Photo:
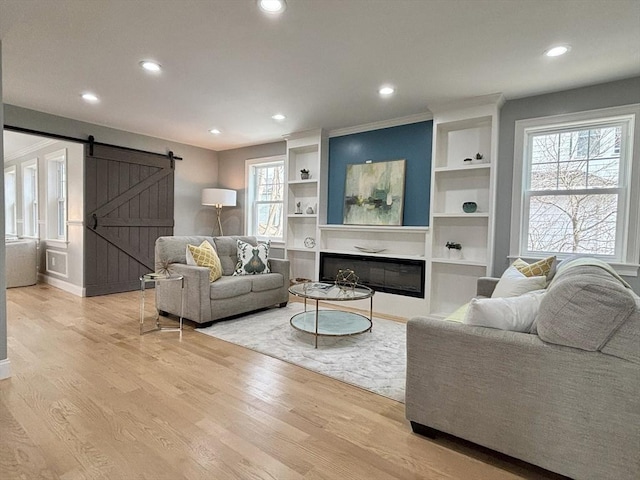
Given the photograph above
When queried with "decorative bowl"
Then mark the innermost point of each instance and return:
(469, 207)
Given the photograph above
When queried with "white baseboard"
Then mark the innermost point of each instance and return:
(62, 285)
(5, 369)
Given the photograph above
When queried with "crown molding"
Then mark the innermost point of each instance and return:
(394, 122)
(34, 147)
(494, 99)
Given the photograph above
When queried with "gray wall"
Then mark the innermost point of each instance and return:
(231, 175)
(623, 92)
(198, 169)
(3, 276)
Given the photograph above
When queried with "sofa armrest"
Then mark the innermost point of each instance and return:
(197, 295)
(516, 394)
(281, 266)
(486, 286)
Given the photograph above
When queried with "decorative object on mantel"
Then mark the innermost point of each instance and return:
(454, 249)
(370, 249)
(309, 242)
(298, 209)
(304, 174)
(479, 156)
(469, 207)
(467, 161)
(374, 193)
(310, 210)
(346, 279)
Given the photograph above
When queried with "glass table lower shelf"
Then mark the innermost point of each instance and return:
(330, 323)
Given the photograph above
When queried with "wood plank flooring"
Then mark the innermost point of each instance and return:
(89, 398)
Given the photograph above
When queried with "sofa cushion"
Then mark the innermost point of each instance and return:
(172, 249)
(514, 313)
(513, 283)
(252, 259)
(227, 248)
(268, 281)
(625, 343)
(583, 308)
(205, 255)
(229, 286)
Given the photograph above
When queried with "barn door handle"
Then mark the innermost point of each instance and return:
(95, 221)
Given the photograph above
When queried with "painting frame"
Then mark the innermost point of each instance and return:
(374, 193)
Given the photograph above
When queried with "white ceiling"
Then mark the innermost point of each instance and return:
(229, 66)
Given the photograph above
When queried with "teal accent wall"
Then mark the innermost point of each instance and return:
(410, 142)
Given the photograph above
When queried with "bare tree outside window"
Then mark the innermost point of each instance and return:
(574, 191)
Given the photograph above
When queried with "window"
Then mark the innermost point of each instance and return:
(265, 198)
(573, 187)
(10, 198)
(30, 198)
(57, 195)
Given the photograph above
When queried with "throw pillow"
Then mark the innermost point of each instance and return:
(513, 283)
(459, 314)
(515, 313)
(540, 268)
(252, 260)
(205, 256)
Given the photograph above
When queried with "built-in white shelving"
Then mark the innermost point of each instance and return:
(459, 134)
(308, 151)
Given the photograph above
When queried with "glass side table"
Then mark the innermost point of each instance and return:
(155, 279)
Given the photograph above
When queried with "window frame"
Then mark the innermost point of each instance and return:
(626, 262)
(30, 199)
(57, 195)
(11, 171)
(250, 166)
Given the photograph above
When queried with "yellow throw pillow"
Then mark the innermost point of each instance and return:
(541, 268)
(206, 256)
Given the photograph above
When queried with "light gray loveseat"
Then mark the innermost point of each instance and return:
(230, 295)
(566, 399)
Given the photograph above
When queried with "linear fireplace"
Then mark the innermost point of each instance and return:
(400, 276)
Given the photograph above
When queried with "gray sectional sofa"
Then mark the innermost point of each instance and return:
(566, 398)
(230, 295)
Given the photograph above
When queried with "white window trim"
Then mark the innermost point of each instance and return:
(249, 163)
(12, 170)
(52, 160)
(29, 165)
(631, 236)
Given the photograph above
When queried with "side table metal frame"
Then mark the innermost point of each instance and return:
(156, 279)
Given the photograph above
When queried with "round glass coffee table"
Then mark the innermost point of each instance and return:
(335, 323)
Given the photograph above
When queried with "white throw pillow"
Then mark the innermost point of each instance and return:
(513, 283)
(515, 313)
(252, 260)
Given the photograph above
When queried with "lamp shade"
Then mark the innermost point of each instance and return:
(219, 196)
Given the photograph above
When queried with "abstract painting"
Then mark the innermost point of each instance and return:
(374, 193)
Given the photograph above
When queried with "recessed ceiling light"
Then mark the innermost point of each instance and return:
(278, 116)
(90, 97)
(557, 51)
(150, 66)
(272, 6)
(386, 90)
(215, 131)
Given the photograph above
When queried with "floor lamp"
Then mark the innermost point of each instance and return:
(218, 197)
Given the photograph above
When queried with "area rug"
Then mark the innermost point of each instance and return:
(375, 361)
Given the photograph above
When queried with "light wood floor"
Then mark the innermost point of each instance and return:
(89, 398)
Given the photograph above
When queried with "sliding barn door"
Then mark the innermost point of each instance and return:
(128, 204)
